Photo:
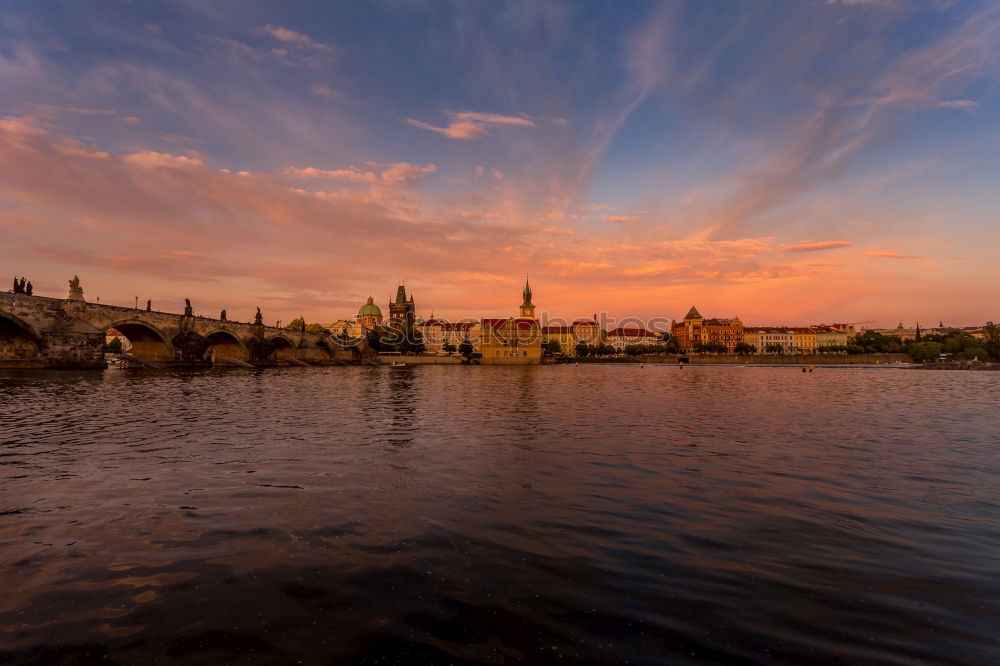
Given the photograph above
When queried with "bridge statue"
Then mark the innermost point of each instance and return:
(258, 318)
(222, 316)
(75, 292)
(188, 310)
(29, 289)
(149, 306)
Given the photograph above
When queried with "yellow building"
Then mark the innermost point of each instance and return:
(515, 340)
(589, 332)
(804, 340)
(752, 336)
(827, 336)
(437, 333)
(694, 331)
(562, 334)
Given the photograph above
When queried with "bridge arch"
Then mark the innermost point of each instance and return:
(281, 347)
(148, 342)
(226, 344)
(20, 343)
(325, 350)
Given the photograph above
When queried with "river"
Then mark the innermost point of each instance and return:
(554, 514)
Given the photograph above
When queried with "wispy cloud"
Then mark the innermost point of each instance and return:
(961, 104)
(887, 254)
(397, 173)
(814, 247)
(467, 125)
(817, 147)
(282, 45)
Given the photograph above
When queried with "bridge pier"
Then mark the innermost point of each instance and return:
(64, 341)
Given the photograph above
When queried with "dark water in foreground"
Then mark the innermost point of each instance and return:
(601, 514)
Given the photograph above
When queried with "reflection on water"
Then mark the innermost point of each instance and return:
(444, 514)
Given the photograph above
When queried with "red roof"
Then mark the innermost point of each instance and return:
(585, 322)
(557, 328)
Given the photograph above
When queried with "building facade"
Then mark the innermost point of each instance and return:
(803, 339)
(561, 333)
(515, 340)
(770, 340)
(588, 332)
(828, 337)
(437, 333)
(623, 337)
(694, 331)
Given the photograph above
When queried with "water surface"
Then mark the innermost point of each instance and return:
(442, 514)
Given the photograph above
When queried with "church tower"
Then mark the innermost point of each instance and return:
(527, 307)
(403, 309)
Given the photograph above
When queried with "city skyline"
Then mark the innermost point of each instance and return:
(632, 162)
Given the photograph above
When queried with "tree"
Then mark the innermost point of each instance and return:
(465, 348)
(602, 349)
(672, 346)
(924, 351)
(973, 353)
(296, 324)
(774, 348)
(581, 349)
(745, 349)
(318, 329)
(871, 342)
(992, 334)
(552, 347)
(375, 340)
(114, 347)
(449, 347)
(413, 341)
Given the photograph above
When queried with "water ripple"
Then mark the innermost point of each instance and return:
(491, 515)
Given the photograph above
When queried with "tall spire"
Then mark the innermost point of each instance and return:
(527, 309)
(527, 294)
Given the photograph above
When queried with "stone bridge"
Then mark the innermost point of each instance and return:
(42, 332)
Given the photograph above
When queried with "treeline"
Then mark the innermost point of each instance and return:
(959, 344)
(405, 340)
(299, 325)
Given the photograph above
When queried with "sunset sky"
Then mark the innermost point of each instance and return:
(788, 162)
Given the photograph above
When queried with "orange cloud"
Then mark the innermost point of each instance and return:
(814, 247)
(168, 226)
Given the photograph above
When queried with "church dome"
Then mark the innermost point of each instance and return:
(369, 309)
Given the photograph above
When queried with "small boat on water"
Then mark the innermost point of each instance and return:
(398, 364)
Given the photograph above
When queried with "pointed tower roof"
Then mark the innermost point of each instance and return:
(527, 294)
(693, 314)
(401, 294)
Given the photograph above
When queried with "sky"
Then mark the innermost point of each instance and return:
(795, 162)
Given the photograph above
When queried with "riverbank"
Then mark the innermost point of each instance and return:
(757, 359)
